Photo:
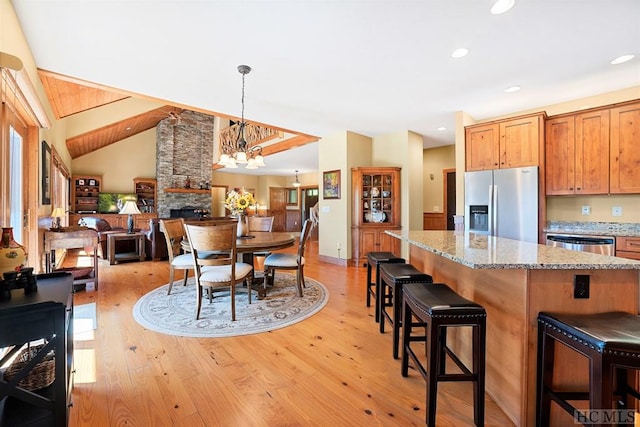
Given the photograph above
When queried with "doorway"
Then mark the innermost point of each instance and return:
(449, 192)
(309, 196)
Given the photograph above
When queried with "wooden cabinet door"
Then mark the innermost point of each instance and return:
(388, 243)
(625, 151)
(560, 156)
(592, 152)
(482, 147)
(519, 142)
(368, 242)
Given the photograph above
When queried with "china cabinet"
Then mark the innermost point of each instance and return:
(376, 208)
(84, 193)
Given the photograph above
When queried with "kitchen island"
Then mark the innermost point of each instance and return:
(514, 281)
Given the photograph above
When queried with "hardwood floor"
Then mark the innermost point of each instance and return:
(333, 369)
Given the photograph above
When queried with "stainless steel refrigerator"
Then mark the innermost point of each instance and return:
(503, 203)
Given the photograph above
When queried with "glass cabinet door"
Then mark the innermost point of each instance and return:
(377, 198)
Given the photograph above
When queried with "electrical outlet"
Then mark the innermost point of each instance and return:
(616, 211)
(581, 286)
(586, 210)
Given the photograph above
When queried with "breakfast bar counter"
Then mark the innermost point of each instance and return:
(514, 281)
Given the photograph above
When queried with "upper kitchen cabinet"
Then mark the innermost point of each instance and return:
(508, 143)
(625, 155)
(577, 153)
(482, 147)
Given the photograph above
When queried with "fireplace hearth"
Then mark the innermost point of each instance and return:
(188, 212)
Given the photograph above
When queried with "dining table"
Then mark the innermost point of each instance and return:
(257, 241)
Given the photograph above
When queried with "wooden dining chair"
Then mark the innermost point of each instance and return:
(284, 261)
(260, 223)
(221, 269)
(174, 233)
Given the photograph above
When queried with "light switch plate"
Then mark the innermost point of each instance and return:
(586, 210)
(616, 211)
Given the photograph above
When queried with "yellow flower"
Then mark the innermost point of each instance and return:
(238, 202)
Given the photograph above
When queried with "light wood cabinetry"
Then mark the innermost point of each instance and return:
(140, 221)
(84, 193)
(577, 153)
(628, 247)
(145, 189)
(508, 143)
(594, 151)
(376, 208)
(482, 147)
(624, 146)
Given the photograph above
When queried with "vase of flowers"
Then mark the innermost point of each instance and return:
(237, 202)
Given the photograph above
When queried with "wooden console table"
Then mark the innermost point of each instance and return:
(76, 239)
(45, 314)
(114, 257)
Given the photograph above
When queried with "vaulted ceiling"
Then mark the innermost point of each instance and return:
(69, 96)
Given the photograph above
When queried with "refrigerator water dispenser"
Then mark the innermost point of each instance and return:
(479, 218)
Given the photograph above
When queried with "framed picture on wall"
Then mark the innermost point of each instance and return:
(46, 173)
(331, 184)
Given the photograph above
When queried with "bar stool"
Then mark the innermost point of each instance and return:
(392, 277)
(437, 307)
(374, 259)
(611, 342)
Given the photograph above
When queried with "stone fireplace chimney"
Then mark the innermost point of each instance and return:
(184, 153)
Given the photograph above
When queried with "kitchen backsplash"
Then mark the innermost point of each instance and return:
(599, 228)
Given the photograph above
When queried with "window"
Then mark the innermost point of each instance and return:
(16, 202)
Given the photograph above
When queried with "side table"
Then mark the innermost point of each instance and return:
(138, 255)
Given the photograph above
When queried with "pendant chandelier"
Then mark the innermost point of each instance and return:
(241, 151)
(296, 183)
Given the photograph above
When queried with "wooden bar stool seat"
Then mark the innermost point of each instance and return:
(374, 259)
(611, 343)
(392, 278)
(436, 307)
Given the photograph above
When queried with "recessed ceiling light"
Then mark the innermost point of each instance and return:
(622, 59)
(512, 89)
(441, 128)
(459, 53)
(501, 6)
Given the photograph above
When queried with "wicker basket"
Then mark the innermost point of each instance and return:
(41, 376)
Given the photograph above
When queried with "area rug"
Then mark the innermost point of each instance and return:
(175, 314)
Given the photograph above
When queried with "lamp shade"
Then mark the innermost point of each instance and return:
(130, 208)
(58, 213)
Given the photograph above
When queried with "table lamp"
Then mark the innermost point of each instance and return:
(130, 208)
(57, 214)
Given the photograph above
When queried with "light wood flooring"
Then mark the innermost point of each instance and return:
(333, 369)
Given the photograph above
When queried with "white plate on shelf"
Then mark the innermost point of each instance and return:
(377, 216)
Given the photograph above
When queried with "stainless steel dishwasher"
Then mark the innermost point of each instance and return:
(604, 245)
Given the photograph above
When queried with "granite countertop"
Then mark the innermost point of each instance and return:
(614, 229)
(481, 251)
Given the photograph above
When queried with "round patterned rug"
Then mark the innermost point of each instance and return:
(175, 314)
